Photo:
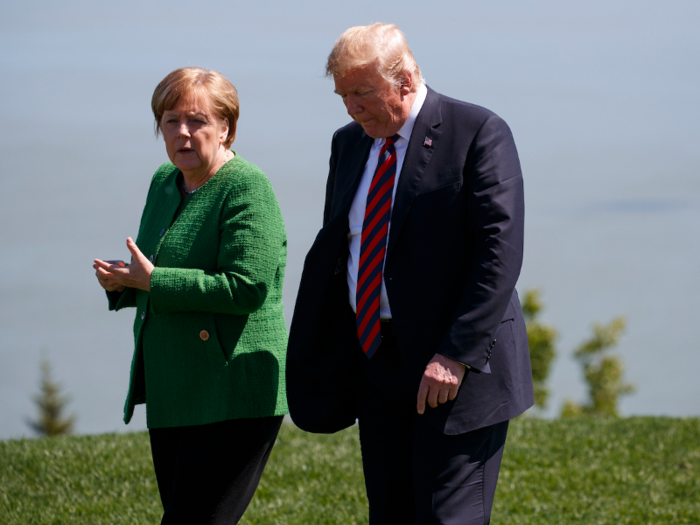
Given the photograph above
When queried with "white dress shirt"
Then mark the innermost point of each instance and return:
(359, 203)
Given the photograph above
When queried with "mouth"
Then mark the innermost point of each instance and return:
(185, 150)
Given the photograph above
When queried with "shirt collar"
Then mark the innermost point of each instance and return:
(407, 128)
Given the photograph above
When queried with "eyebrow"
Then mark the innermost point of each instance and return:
(188, 113)
(353, 89)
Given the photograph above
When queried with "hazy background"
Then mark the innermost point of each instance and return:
(602, 97)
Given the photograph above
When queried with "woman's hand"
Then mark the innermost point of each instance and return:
(105, 278)
(118, 276)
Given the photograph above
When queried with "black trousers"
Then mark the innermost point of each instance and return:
(413, 473)
(207, 474)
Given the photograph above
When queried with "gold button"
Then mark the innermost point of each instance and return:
(204, 335)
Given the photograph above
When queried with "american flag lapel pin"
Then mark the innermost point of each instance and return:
(427, 142)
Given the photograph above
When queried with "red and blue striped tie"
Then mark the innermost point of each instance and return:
(374, 236)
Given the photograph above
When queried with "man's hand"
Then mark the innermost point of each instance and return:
(135, 275)
(441, 381)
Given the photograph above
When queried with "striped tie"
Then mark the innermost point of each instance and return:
(374, 236)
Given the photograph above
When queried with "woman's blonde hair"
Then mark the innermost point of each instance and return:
(384, 44)
(220, 94)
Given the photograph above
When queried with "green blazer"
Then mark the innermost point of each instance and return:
(210, 336)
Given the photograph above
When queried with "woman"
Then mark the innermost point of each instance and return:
(206, 280)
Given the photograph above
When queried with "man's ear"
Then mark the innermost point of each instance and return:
(406, 83)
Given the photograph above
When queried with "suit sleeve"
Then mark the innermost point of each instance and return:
(495, 215)
(330, 184)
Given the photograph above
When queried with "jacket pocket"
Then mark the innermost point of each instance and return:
(510, 312)
(209, 339)
(441, 191)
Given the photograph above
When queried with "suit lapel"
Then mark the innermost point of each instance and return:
(418, 155)
(350, 174)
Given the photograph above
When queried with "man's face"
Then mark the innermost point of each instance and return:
(375, 104)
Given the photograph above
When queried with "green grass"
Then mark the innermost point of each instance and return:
(601, 471)
(586, 471)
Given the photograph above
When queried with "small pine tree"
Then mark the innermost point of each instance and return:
(541, 338)
(51, 404)
(602, 372)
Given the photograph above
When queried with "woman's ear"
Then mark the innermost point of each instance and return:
(224, 131)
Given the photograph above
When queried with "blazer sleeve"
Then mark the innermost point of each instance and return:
(252, 237)
(495, 214)
(127, 297)
(123, 299)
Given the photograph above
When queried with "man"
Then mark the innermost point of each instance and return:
(407, 317)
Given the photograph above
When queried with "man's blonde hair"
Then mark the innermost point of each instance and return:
(384, 44)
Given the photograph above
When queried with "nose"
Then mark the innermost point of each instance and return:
(352, 106)
(183, 130)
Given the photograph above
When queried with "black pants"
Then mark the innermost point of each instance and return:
(413, 473)
(207, 474)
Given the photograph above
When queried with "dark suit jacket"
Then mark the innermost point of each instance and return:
(453, 257)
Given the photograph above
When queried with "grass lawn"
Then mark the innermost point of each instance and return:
(586, 471)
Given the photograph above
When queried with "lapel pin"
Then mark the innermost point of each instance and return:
(427, 142)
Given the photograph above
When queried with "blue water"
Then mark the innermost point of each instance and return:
(602, 100)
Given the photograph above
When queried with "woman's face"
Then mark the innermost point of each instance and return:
(194, 137)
